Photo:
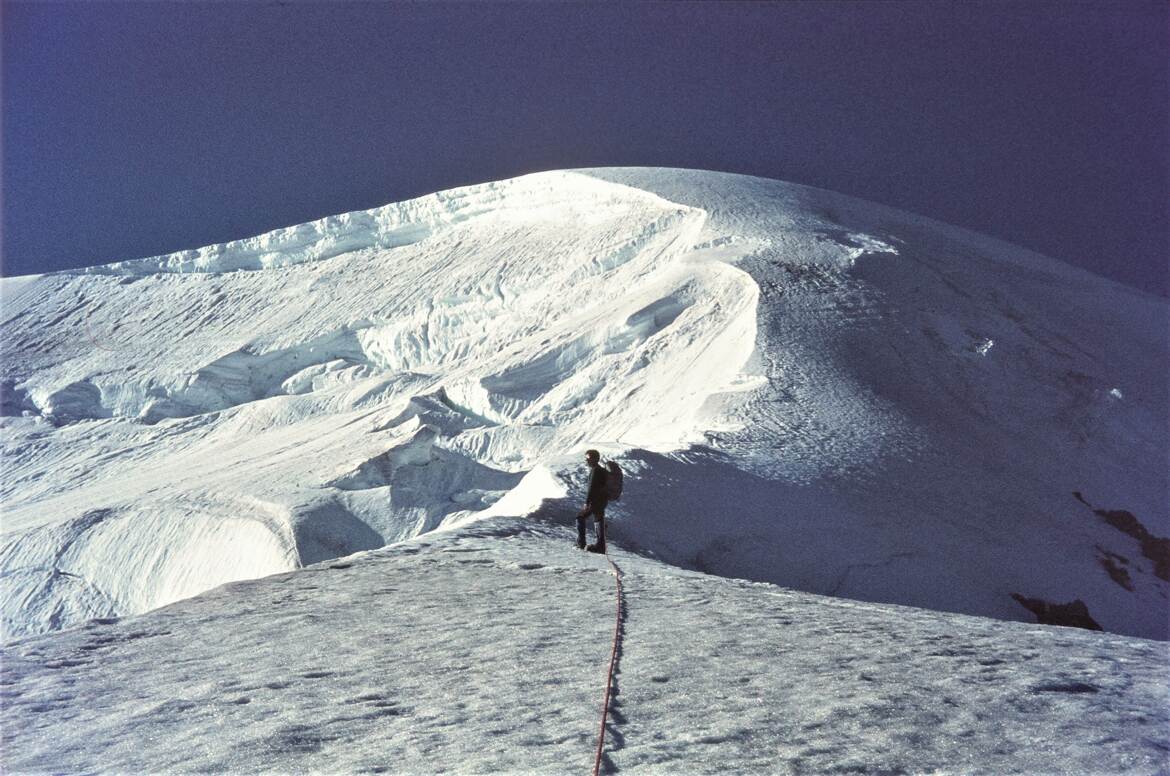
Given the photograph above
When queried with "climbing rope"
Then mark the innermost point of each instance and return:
(617, 637)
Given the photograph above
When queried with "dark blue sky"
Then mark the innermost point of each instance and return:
(138, 129)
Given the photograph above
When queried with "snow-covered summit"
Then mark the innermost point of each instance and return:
(805, 389)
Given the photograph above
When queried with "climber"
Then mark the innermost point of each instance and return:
(595, 501)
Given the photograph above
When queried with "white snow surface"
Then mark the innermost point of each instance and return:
(802, 384)
(485, 649)
(813, 395)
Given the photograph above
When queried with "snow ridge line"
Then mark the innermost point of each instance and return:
(617, 638)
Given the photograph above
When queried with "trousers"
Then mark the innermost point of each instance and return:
(598, 512)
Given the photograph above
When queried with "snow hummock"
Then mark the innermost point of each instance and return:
(814, 395)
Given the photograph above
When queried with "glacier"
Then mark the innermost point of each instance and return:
(903, 410)
(270, 477)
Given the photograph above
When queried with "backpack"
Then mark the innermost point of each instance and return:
(613, 481)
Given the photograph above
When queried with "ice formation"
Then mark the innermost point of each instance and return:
(802, 387)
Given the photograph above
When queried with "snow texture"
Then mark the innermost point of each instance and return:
(903, 409)
(484, 649)
(813, 395)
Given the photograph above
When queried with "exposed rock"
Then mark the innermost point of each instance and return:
(1114, 565)
(1071, 615)
(1156, 548)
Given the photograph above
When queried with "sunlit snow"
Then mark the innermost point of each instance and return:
(816, 395)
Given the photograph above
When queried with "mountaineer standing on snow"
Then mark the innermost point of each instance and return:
(595, 502)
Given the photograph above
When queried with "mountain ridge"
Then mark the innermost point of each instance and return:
(881, 393)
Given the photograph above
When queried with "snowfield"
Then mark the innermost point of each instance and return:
(851, 436)
(484, 650)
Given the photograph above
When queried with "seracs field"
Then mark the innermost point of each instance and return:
(809, 390)
(815, 395)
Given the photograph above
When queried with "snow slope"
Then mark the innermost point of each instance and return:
(807, 390)
(484, 649)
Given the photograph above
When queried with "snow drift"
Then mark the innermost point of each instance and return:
(805, 389)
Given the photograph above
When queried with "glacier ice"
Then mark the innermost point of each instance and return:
(793, 377)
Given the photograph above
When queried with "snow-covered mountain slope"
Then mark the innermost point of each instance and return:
(484, 649)
(806, 389)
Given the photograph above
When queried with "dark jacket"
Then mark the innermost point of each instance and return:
(597, 494)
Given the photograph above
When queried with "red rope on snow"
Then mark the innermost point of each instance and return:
(617, 637)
